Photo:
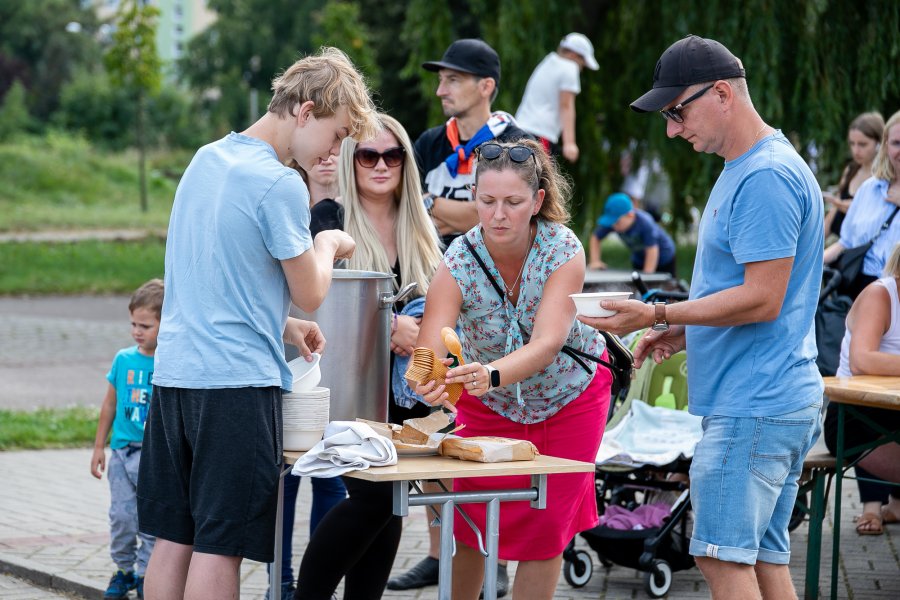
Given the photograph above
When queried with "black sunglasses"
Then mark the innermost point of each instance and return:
(519, 154)
(368, 158)
(674, 113)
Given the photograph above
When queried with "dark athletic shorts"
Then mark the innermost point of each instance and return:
(209, 470)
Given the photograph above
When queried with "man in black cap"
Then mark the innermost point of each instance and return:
(468, 80)
(748, 325)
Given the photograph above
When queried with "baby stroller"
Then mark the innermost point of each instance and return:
(638, 480)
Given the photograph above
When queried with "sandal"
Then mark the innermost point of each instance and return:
(869, 524)
(888, 516)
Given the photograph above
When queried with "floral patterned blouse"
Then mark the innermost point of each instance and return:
(493, 327)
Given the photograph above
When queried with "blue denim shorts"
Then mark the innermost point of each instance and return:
(744, 484)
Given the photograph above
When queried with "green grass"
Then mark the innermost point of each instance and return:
(93, 267)
(60, 181)
(48, 428)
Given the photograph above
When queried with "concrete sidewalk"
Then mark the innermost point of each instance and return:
(53, 531)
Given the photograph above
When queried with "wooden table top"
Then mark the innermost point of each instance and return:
(865, 390)
(411, 468)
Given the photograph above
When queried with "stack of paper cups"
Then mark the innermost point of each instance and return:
(305, 415)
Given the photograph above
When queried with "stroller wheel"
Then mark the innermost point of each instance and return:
(578, 571)
(658, 579)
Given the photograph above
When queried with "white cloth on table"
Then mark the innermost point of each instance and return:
(650, 435)
(346, 446)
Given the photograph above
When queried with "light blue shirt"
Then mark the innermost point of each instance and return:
(237, 213)
(765, 205)
(868, 212)
(131, 374)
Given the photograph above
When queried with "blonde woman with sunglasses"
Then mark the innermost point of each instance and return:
(383, 212)
(517, 318)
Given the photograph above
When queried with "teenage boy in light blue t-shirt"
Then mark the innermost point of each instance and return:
(747, 327)
(238, 252)
(124, 409)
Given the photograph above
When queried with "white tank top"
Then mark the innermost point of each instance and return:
(890, 342)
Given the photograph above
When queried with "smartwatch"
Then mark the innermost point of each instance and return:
(494, 377)
(428, 200)
(659, 321)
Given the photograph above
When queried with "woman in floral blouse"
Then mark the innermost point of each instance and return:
(517, 325)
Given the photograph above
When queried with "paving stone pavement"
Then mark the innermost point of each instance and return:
(55, 351)
(53, 530)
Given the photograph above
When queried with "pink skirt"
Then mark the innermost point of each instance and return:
(574, 432)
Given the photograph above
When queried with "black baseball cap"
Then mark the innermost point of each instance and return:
(686, 62)
(469, 56)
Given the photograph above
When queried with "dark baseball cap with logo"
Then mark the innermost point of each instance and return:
(469, 56)
(686, 62)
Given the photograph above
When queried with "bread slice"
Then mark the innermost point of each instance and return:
(416, 431)
(488, 449)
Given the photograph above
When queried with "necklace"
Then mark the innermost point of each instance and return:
(756, 137)
(511, 290)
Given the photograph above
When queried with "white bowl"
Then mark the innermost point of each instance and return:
(301, 441)
(306, 374)
(588, 304)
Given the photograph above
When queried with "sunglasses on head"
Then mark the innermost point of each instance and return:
(518, 154)
(674, 113)
(368, 158)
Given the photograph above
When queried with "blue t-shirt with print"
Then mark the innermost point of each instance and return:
(644, 233)
(131, 374)
(766, 205)
(238, 212)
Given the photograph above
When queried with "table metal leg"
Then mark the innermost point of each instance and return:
(838, 480)
(492, 533)
(275, 568)
(445, 568)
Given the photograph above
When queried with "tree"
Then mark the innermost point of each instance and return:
(133, 63)
(14, 117)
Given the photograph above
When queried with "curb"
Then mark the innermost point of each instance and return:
(36, 574)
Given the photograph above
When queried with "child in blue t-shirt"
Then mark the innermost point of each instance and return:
(652, 250)
(125, 411)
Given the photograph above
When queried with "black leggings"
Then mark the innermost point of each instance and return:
(358, 539)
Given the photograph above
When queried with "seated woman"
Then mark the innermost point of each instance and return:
(871, 346)
(863, 137)
(875, 201)
(383, 211)
(516, 318)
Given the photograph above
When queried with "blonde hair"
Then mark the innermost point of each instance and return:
(418, 247)
(540, 174)
(149, 296)
(881, 166)
(892, 266)
(330, 81)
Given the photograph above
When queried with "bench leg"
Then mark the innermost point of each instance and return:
(814, 543)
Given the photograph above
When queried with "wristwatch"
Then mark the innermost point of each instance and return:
(494, 377)
(428, 200)
(659, 322)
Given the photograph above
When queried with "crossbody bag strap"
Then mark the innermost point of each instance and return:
(886, 225)
(576, 355)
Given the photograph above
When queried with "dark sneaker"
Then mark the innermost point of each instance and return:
(422, 575)
(502, 582)
(119, 585)
(140, 587)
(287, 591)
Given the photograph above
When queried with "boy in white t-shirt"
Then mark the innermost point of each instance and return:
(548, 104)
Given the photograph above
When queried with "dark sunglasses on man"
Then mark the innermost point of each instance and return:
(674, 113)
(368, 158)
(492, 151)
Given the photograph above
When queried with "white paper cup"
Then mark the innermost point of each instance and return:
(588, 304)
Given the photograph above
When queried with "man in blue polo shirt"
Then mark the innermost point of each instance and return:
(652, 250)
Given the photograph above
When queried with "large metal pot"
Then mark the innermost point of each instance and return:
(356, 321)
